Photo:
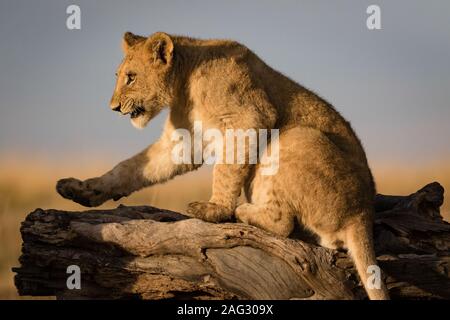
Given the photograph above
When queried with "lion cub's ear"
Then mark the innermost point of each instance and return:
(160, 46)
(129, 40)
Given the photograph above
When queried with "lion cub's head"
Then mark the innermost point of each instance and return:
(144, 84)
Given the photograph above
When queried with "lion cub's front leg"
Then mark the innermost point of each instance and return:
(151, 166)
(121, 181)
(89, 193)
(228, 180)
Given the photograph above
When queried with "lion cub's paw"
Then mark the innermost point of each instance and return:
(244, 213)
(209, 211)
(80, 192)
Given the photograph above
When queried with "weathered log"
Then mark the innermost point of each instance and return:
(149, 253)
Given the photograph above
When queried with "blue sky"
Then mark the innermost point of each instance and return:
(393, 84)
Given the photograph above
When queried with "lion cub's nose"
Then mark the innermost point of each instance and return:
(116, 108)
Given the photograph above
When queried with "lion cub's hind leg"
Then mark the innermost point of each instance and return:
(331, 240)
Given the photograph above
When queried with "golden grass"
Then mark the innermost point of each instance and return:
(29, 184)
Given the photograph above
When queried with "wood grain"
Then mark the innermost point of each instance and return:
(149, 253)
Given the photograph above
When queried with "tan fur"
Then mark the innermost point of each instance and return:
(323, 180)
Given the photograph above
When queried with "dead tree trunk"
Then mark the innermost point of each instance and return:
(150, 253)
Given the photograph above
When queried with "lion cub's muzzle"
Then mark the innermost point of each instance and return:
(129, 108)
(137, 111)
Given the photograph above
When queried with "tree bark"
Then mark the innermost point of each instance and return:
(150, 253)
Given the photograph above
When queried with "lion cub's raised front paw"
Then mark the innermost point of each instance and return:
(81, 192)
(209, 211)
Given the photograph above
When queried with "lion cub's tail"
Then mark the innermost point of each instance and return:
(360, 245)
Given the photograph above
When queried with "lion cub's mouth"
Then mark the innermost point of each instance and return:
(137, 112)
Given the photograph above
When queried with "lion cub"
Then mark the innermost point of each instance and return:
(323, 180)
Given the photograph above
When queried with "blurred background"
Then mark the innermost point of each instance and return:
(55, 85)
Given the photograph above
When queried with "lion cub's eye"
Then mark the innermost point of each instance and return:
(130, 78)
